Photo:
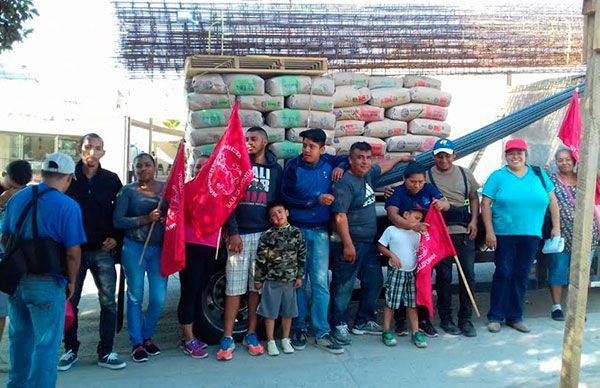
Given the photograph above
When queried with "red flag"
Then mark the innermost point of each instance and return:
(570, 130)
(435, 246)
(217, 189)
(173, 252)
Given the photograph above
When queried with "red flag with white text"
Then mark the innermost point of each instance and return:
(570, 130)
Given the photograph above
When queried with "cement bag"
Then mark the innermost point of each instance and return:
(304, 101)
(390, 156)
(387, 97)
(286, 149)
(273, 134)
(286, 85)
(203, 136)
(413, 111)
(349, 128)
(343, 144)
(207, 118)
(410, 143)
(209, 83)
(293, 134)
(430, 96)
(354, 79)
(376, 82)
(292, 118)
(322, 86)
(203, 150)
(385, 128)
(199, 101)
(251, 118)
(366, 113)
(410, 81)
(429, 127)
(350, 96)
(264, 103)
(244, 84)
(330, 150)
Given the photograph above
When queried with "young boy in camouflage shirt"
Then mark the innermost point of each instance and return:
(279, 269)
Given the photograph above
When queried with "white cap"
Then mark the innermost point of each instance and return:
(59, 162)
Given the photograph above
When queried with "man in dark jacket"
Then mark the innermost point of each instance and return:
(95, 190)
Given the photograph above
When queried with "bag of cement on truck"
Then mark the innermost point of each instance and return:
(349, 128)
(350, 96)
(273, 134)
(322, 86)
(385, 128)
(413, 111)
(354, 79)
(264, 103)
(286, 85)
(343, 144)
(293, 134)
(429, 127)
(203, 150)
(390, 156)
(244, 84)
(199, 101)
(207, 118)
(366, 113)
(376, 82)
(430, 96)
(304, 101)
(410, 81)
(410, 143)
(292, 118)
(202, 136)
(387, 97)
(251, 118)
(209, 83)
(286, 149)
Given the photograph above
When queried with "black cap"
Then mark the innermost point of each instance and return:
(315, 134)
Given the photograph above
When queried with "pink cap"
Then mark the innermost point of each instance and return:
(515, 144)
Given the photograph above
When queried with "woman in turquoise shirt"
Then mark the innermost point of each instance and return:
(513, 208)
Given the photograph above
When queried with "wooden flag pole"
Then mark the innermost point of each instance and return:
(218, 244)
(464, 280)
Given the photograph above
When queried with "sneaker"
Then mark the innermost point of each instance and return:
(299, 340)
(388, 338)
(225, 352)
(66, 361)
(467, 329)
(369, 327)
(449, 327)
(329, 344)
(519, 326)
(418, 339)
(151, 348)
(183, 341)
(401, 328)
(342, 335)
(494, 327)
(286, 346)
(558, 315)
(139, 354)
(254, 347)
(272, 348)
(194, 349)
(111, 361)
(427, 328)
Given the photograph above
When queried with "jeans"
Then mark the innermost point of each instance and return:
(142, 328)
(465, 249)
(37, 317)
(367, 268)
(317, 270)
(102, 266)
(514, 258)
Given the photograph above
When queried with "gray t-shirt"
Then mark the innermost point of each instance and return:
(355, 196)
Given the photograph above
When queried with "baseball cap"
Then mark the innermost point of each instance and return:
(59, 162)
(444, 145)
(315, 134)
(515, 144)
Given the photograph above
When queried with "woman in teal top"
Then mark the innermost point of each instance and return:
(513, 208)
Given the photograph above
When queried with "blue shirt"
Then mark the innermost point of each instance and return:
(404, 201)
(519, 203)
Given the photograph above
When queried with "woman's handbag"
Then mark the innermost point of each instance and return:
(547, 226)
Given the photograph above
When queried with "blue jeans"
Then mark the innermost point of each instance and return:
(37, 317)
(142, 328)
(514, 258)
(367, 268)
(102, 266)
(317, 270)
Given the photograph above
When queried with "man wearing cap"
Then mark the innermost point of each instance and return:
(459, 187)
(37, 308)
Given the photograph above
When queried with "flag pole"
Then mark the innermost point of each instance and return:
(464, 280)
(218, 244)
(160, 202)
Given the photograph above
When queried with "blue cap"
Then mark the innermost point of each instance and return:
(444, 145)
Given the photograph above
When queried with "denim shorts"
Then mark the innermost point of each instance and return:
(3, 305)
(558, 268)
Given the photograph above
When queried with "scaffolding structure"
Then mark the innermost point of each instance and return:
(157, 36)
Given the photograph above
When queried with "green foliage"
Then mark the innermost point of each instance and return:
(13, 14)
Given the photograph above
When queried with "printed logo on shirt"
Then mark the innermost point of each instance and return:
(259, 187)
(369, 195)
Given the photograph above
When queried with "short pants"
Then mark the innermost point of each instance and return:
(3, 305)
(239, 269)
(400, 289)
(278, 300)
